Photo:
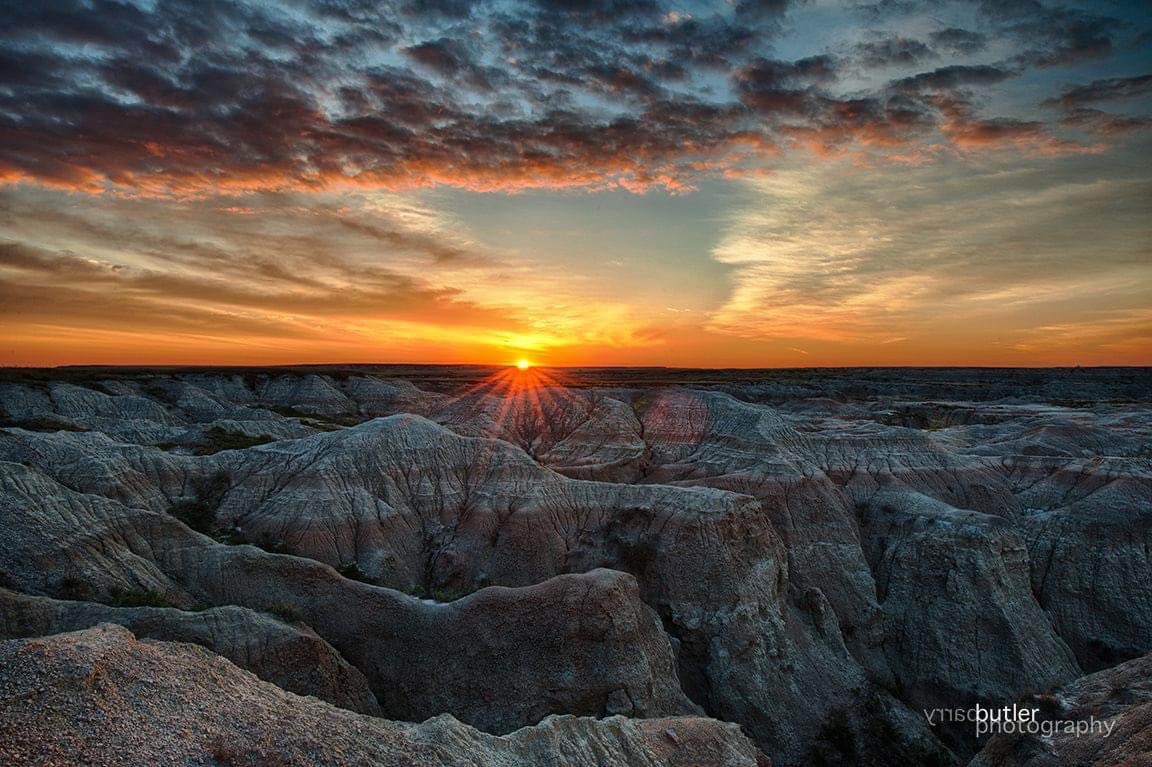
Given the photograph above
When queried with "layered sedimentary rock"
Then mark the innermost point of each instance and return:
(100, 697)
(1100, 719)
(815, 557)
(960, 623)
(413, 505)
(290, 656)
(500, 658)
(1088, 526)
(580, 433)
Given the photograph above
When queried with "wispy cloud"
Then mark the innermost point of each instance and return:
(253, 179)
(847, 255)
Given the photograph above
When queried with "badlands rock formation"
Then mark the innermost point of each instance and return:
(101, 697)
(289, 656)
(816, 557)
(1101, 719)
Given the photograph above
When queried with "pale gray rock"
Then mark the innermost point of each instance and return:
(500, 658)
(1089, 534)
(292, 657)
(378, 397)
(95, 408)
(824, 550)
(1112, 708)
(961, 625)
(311, 394)
(229, 388)
(100, 697)
(582, 434)
(20, 401)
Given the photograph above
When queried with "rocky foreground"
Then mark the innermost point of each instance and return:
(342, 567)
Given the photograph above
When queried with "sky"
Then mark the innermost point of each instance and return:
(733, 183)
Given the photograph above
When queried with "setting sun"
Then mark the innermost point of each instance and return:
(523, 364)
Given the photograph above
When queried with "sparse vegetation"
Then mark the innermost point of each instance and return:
(353, 572)
(319, 422)
(322, 425)
(194, 514)
(1077, 404)
(138, 598)
(218, 439)
(836, 743)
(224, 752)
(73, 588)
(46, 422)
(285, 612)
(198, 510)
(272, 546)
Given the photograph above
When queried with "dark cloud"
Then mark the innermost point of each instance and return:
(892, 50)
(1112, 89)
(1055, 35)
(882, 10)
(769, 73)
(785, 87)
(1079, 110)
(204, 96)
(453, 10)
(712, 41)
(32, 69)
(761, 10)
(955, 76)
(959, 41)
(606, 10)
(1103, 123)
(995, 131)
(452, 59)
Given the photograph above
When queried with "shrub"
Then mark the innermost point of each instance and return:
(353, 572)
(285, 612)
(315, 421)
(194, 514)
(138, 598)
(224, 752)
(217, 439)
(199, 510)
(272, 546)
(41, 423)
(73, 588)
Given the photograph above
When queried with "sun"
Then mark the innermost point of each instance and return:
(523, 364)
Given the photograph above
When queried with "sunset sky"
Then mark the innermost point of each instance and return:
(747, 183)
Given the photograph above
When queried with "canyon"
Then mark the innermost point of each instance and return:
(458, 565)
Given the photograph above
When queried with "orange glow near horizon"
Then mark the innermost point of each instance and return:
(926, 192)
(851, 292)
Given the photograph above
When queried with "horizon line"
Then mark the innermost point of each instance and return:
(196, 366)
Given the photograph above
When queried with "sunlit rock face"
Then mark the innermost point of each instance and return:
(290, 656)
(813, 558)
(161, 702)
